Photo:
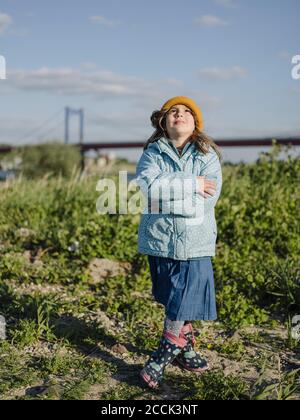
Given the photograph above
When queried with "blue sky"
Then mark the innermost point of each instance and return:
(120, 60)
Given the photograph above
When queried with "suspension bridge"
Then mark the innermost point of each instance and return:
(59, 123)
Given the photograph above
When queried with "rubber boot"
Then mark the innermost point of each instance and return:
(188, 359)
(169, 348)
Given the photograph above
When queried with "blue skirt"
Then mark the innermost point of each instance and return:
(185, 288)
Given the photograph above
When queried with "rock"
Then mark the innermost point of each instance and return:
(53, 391)
(101, 268)
(25, 233)
(34, 260)
(27, 256)
(236, 337)
(104, 321)
(119, 349)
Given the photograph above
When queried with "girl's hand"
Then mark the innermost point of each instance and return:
(206, 187)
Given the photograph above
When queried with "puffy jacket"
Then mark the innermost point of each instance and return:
(180, 234)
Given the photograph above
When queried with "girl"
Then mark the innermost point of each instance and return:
(179, 244)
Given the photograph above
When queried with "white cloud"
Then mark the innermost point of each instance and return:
(93, 82)
(104, 21)
(210, 21)
(70, 81)
(5, 21)
(217, 73)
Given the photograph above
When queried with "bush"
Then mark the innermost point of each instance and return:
(54, 159)
(257, 261)
(258, 232)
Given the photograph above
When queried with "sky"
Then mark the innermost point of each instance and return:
(121, 60)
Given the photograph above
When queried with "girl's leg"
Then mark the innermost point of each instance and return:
(174, 327)
(188, 359)
(171, 344)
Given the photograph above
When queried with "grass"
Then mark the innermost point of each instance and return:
(73, 336)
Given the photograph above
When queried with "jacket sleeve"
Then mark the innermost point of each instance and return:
(212, 171)
(173, 192)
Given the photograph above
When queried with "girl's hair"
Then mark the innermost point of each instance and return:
(201, 140)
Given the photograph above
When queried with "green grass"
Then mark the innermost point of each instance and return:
(59, 347)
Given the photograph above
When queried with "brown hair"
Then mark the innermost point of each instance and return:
(201, 140)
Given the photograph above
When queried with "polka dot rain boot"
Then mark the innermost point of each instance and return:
(169, 348)
(188, 359)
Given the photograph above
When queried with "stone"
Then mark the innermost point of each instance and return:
(101, 268)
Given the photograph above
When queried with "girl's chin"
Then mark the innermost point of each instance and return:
(182, 130)
(180, 127)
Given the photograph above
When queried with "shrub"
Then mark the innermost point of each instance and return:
(51, 158)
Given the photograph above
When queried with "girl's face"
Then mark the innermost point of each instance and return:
(180, 121)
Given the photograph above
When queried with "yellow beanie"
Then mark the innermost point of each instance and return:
(184, 100)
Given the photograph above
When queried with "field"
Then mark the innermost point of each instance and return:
(76, 295)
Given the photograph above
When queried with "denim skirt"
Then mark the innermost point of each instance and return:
(185, 288)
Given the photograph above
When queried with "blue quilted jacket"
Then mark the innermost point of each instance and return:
(176, 230)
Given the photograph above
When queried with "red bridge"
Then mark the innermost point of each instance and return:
(133, 145)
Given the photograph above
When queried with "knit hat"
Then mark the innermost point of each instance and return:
(184, 100)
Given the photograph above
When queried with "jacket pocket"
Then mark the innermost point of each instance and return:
(159, 232)
(200, 238)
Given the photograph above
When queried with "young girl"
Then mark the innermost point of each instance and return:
(179, 244)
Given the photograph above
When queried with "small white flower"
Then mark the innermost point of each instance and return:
(74, 247)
